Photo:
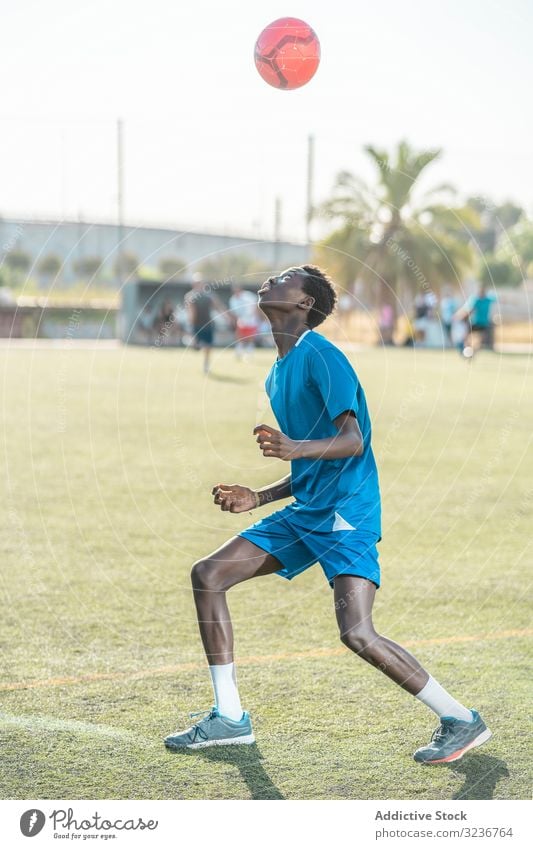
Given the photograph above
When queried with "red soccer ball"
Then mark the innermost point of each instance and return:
(287, 53)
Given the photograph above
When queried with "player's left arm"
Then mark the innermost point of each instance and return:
(348, 442)
(465, 311)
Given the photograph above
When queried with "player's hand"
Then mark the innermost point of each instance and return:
(274, 443)
(234, 498)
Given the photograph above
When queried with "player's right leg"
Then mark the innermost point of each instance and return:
(236, 561)
(468, 349)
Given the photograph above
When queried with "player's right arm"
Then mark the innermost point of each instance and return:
(238, 499)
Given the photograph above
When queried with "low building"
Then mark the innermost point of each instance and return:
(73, 242)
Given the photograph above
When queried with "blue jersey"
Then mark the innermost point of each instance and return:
(481, 308)
(308, 388)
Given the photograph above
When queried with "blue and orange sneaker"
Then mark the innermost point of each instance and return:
(452, 739)
(213, 730)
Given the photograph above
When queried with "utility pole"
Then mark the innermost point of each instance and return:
(120, 200)
(310, 181)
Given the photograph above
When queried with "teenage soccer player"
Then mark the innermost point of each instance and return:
(243, 307)
(334, 519)
(200, 304)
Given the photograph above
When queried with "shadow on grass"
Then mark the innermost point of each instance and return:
(481, 775)
(247, 759)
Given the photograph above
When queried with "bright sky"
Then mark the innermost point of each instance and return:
(208, 145)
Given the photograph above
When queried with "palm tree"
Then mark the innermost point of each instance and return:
(384, 238)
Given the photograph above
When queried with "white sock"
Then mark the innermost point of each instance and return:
(225, 688)
(440, 701)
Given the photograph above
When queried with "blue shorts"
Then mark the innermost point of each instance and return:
(344, 552)
(203, 335)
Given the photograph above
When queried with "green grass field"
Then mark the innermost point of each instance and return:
(109, 459)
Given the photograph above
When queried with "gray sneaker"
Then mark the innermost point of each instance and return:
(452, 739)
(212, 730)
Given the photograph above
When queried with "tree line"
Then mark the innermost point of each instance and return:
(390, 237)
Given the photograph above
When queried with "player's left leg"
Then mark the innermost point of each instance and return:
(354, 599)
(460, 729)
(207, 357)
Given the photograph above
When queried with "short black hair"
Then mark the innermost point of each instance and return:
(317, 284)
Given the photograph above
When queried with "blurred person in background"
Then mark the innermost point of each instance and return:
(245, 315)
(145, 324)
(420, 312)
(201, 303)
(386, 324)
(478, 312)
(448, 307)
(164, 322)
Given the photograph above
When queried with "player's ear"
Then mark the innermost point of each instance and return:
(306, 303)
